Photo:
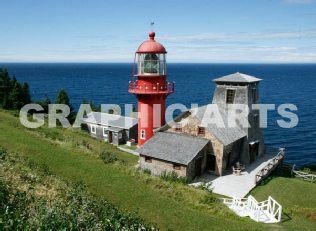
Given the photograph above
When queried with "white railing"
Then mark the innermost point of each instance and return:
(275, 209)
(304, 175)
(266, 211)
(254, 208)
(240, 205)
(227, 201)
(266, 170)
(269, 206)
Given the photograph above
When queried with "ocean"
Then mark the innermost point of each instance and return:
(107, 83)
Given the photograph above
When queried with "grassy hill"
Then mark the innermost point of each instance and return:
(73, 156)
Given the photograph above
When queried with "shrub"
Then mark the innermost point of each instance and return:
(108, 157)
(147, 171)
(3, 153)
(174, 177)
(206, 186)
(209, 199)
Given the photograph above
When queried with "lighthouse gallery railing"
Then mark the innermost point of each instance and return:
(167, 88)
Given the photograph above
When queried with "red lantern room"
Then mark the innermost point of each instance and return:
(150, 87)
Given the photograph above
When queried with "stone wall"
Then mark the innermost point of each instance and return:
(158, 166)
(191, 166)
(243, 95)
(190, 127)
(232, 154)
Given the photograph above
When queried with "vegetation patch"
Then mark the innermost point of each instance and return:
(108, 157)
(169, 204)
(33, 198)
(174, 177)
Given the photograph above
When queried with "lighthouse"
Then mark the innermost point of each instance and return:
(150, 87)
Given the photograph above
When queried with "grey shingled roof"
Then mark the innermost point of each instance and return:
(224, 134)
(173, 147)
(237, 78)
(110, 120)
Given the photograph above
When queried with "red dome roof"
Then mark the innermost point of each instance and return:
(151, 46)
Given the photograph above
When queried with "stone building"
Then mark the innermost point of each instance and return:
(167, 151)
(112, 128)
(241, 89)
(230, 126)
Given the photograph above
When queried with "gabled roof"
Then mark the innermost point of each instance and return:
(237, 78)
(109, 120)
(216, 121)
(173, 147)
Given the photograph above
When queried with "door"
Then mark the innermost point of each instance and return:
(228, 160)
(210, 162)
(110, 138)
(198, 166)
(257, 148)
(252, 151)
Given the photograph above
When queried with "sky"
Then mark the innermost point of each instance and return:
(192, 31)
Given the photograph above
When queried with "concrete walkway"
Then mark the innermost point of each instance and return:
(232, 185)
(128, 150)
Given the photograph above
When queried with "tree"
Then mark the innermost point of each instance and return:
(15, 98)
(62, 98)
(45, 103)
(5, 84)
(94, 108)
(6, 104)
(13, 95)
(26, 93)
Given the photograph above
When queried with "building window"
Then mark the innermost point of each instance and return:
(178, 127)
(105, 132)
(148, 159)
(151, 63)
(142, 134)
(254, 95)
(256, 120)
(201, 131)
(177, 166)
(230, 96)
(93, 129)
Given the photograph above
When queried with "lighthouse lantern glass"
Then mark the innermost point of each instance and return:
(152, 63)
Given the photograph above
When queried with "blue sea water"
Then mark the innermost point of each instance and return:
(107, 84)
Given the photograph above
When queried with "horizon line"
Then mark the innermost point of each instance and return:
(124, 62)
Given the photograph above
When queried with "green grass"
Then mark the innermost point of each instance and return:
(33, 198)
(73, 155)
(133, 148)
(297, 198)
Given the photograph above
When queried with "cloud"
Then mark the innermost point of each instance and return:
(265, 47)
(238, 36)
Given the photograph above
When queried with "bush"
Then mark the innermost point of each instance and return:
(3, 153)
(147, 171)
(108, 157)
(311, 167)
(173, 177)
(206, 186)
(209, 199)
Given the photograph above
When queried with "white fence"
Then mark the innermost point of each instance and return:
(268, 211)
(303, 175)
(266, 170)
